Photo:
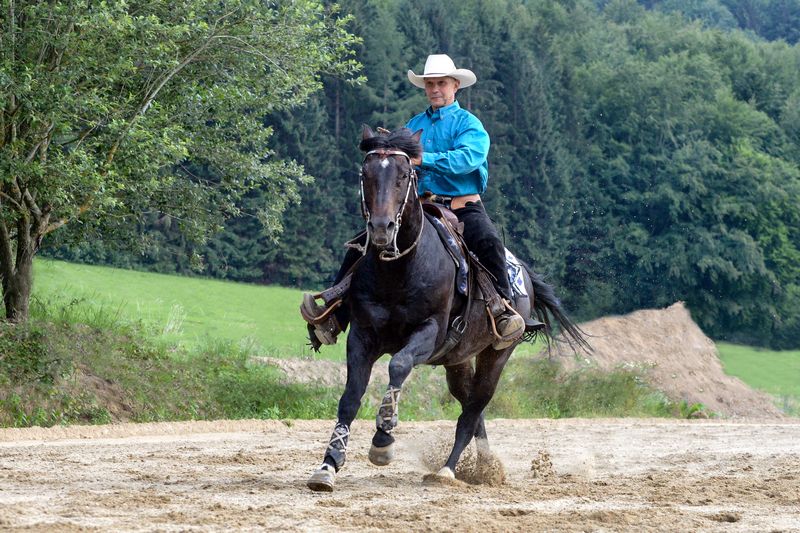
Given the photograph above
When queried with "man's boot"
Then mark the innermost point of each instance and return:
(323, 327)
(510, 326)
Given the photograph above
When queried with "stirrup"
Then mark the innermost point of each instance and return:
(313, 313)
(508, 328)
(322, 324)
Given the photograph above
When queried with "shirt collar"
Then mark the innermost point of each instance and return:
(443, 112)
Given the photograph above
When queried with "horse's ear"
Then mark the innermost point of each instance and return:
(367, 133)
(417, 136)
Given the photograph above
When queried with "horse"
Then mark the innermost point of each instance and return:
(403, 300)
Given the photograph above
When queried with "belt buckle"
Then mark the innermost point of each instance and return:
(443, 200)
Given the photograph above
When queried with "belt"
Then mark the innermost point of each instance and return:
(447, 201)
(442, 200)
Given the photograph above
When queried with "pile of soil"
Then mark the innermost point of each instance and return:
(425, 380)
(674, 356)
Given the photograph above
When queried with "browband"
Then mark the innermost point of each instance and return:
(385, 152)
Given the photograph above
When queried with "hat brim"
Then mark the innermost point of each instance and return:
(465, 76)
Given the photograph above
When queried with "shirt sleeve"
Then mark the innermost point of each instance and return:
(470, 149)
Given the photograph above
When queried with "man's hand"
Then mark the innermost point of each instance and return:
(416, 161)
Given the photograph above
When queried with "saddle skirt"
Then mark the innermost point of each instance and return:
(450, 234)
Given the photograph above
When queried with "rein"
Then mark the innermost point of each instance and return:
(394, 253)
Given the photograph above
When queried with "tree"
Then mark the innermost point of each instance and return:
(108, 108)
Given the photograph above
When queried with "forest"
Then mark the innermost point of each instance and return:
(642, 153)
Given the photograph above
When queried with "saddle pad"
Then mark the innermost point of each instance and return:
(515, 278)
(452, 247)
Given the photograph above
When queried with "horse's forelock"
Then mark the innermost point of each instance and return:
(401, 139)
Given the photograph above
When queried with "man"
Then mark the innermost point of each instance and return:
(454, 168)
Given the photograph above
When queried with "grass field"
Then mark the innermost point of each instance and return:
(777, 373)
(190, 311)
(108, 345)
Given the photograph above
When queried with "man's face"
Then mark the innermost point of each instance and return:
(441, 91)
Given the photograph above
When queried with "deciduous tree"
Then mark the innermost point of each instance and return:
(107, 108)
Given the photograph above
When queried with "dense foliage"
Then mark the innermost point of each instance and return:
(642, 153)
(119, 113)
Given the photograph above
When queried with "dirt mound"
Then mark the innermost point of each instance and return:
(424, 380)
(675, 357)
(317, 371)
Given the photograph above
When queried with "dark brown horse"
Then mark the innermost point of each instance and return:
(403, 299)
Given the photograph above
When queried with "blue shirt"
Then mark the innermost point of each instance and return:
(455, 147)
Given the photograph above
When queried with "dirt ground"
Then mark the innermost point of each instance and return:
(553, 475)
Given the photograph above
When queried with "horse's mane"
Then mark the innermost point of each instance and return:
(401, 139)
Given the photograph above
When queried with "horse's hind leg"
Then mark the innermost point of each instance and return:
(489, 366)
(460, 383)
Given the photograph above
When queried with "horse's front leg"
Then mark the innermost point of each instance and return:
(418, 349)
(361, 357)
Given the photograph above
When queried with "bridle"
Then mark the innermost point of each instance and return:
(394, 253)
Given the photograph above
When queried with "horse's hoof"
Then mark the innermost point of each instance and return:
(445, 472)
(322, 480)
(381, 456)
(443, 477)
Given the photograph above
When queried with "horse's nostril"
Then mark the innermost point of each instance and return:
(371, 226)
(390, 226)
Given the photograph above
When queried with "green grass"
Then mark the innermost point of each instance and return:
(776, 373)
(188, 311)
(60, 372)
(54, 372)
(540, 388)
(183, 310)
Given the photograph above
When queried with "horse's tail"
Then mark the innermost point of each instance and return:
(546, 305)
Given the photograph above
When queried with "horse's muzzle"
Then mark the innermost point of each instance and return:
(382, 232)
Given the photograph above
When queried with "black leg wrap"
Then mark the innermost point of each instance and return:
(387, 413)
(337, 447)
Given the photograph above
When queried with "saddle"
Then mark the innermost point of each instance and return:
(441, 212)
(450, 232)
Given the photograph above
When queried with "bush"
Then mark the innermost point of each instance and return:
(539, 388)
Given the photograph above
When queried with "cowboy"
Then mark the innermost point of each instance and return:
(454, 171)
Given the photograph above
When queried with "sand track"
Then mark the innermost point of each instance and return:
(590, 475)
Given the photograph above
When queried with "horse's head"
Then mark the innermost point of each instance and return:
(388, 182)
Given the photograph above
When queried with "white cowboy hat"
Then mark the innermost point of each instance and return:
(439, 65)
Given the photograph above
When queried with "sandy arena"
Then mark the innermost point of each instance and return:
(560, 475)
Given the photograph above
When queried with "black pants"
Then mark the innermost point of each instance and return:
(482, 239)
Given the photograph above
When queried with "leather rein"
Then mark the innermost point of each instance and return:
(394, 253)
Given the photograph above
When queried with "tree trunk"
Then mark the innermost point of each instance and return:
(16, 261)
(17, 291)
